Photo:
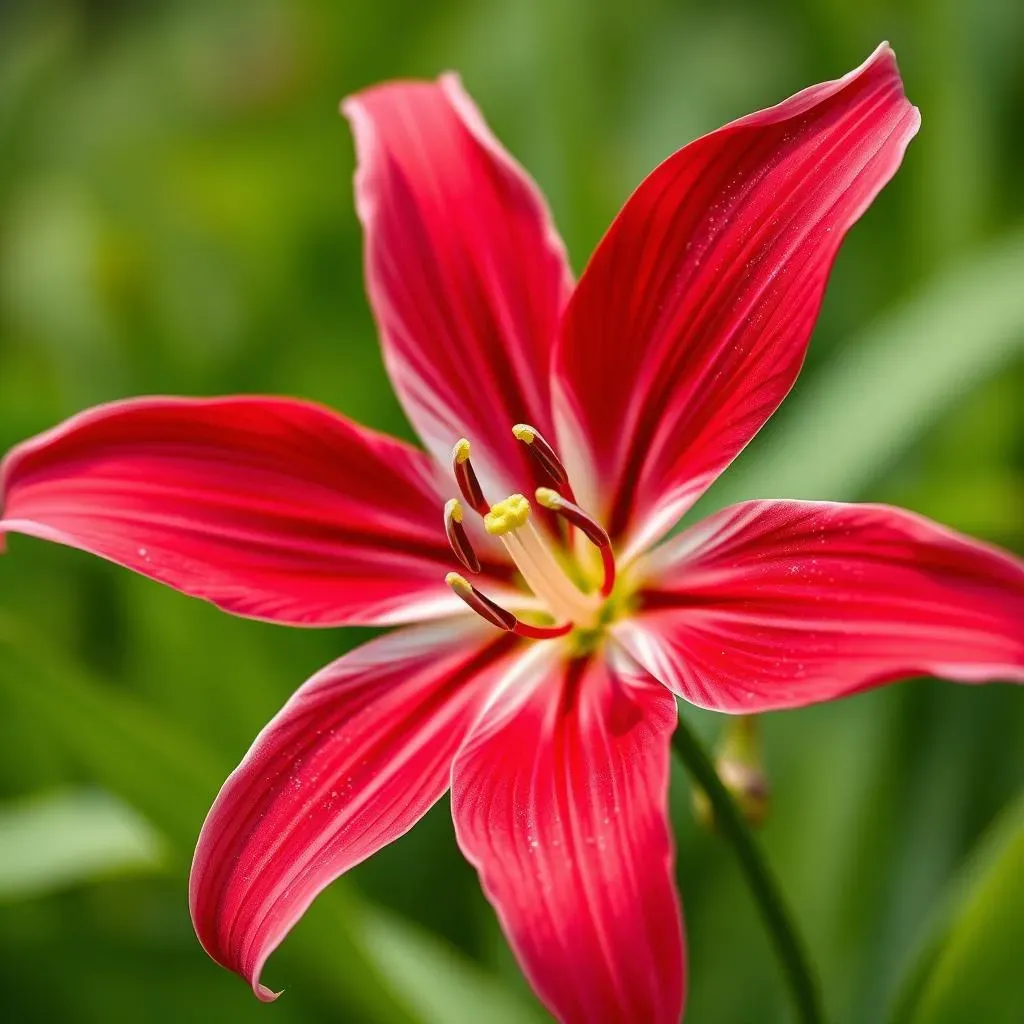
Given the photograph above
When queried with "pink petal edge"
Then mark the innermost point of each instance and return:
(691, 322)
(559, 800)
(354, 759)
(270, 508)
(779, 604)
(465, 272)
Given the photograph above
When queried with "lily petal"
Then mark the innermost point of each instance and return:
(465, 271)
(267, 507)
(778, 604)
(559, 799)
(691, 322)
(354, 759)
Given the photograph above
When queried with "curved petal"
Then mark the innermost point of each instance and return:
(267, 507)
(777, 604)
(559, 798)
(352, 761)
(691, 321)
(465, 271)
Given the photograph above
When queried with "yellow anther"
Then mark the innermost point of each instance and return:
(455, 531)
(507, 515)
(460, 453)
(453, 510)
(548, 498)
(541, 452)
(458, 583)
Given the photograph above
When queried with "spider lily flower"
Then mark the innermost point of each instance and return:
(544, 627)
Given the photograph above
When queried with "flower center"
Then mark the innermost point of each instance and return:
(510, 520)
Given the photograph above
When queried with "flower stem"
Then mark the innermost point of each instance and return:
(775, 913)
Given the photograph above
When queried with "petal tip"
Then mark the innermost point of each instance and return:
(7, 464)
(883, 51)
(915, 122)
(454, 90)
(882, 54)
(264, 994)
(350, 107)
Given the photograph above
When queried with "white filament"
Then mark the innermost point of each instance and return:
(547, 579)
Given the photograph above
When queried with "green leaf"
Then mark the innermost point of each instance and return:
(63, 839)
(850, 421)
(383, 971)
(969, 966)
(437, 980)
(124, 747)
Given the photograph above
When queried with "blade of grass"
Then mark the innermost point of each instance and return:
(968, 964)
(60, 839)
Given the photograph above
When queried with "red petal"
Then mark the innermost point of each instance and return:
(777, 604)
(352, 761)
(559, 798)
(267, 507)
(465, 271)
(691, 322)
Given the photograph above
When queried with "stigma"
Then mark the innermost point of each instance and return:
(509, 521)
(507, 516)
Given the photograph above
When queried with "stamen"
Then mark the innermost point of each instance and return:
(588, 526)
(465, 477)
(457, 536)
(509, 520)
(541, 632)
(483, 606)
(498, 616)
(547, 578)
(542, 452)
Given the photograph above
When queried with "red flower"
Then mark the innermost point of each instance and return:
(629, 394)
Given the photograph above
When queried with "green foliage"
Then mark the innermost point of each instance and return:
(970, 965)
(443, 987)
(176, 217)
(853, 421)
(60, 839)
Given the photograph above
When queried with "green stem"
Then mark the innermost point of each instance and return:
(775, 913)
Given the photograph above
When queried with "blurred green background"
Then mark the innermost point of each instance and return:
(176, 217)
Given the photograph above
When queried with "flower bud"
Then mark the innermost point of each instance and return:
(739, 765)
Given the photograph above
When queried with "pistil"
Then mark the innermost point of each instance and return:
(508, 520)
